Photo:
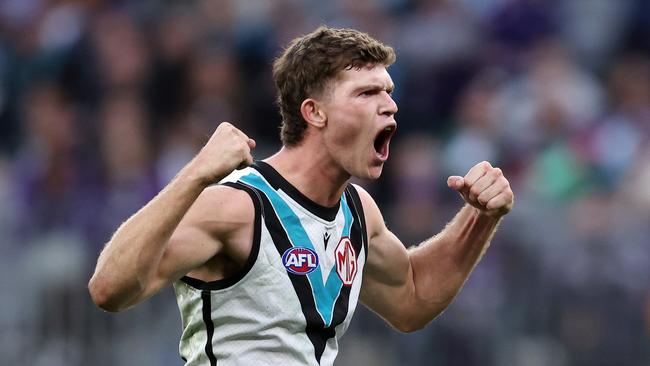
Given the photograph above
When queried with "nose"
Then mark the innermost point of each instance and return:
(389, 107)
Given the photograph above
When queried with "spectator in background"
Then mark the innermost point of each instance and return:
(127, 152)
(47, 168)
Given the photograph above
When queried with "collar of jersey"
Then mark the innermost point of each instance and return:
(278, 182)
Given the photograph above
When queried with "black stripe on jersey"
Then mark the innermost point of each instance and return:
(315, 330)
(209, 326)
(360, 219)
(357, 237)
(252, 257)
(278, 182)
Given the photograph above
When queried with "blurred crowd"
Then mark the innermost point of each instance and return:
(102, 102)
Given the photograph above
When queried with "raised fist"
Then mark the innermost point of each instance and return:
(485, 188)
(228, 149)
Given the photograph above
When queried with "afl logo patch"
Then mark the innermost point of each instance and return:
(346, 261)
(300, 260)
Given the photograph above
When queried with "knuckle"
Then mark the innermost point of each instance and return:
(503, 183)
(474, 191)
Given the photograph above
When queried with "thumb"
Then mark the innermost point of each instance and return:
(455, 182)
(251, 143)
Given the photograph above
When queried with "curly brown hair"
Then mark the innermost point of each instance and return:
(310, 62)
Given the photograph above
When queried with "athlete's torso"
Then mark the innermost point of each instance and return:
(296, 294)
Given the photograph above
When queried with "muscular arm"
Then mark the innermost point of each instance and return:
(408, 288)
(162, 241)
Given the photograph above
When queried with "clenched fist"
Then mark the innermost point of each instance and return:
(228, 149)
(485, 188)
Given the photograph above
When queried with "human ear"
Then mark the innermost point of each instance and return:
(312, 113)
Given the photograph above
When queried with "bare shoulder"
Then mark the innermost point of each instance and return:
(221, 205)
(374, 218)
(215, 234)
(387, 261)
(220, 194)
(222, 215)
(366, 199)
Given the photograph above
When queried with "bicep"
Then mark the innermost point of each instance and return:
(387, 260)
(216, 219)
(189, 247)
(388, 277)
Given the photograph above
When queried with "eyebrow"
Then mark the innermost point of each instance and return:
(375, 86)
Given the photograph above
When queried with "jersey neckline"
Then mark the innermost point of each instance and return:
(277, 181)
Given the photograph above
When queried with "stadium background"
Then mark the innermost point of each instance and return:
(101, 102)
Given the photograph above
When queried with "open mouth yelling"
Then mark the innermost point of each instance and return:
(382, 140)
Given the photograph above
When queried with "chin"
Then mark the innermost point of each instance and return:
(374, 172)
(370, 170)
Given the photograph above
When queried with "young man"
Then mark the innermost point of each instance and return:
(269, 264)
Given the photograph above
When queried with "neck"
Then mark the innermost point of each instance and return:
(312, 172)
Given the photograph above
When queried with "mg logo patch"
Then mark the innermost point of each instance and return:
(346, 261)
(300, 260)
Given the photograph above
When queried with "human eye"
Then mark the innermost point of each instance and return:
(368, 92)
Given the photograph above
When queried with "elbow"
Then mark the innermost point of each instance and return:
(411, 324)
(101, 296)
(418, 319)
(409, 327)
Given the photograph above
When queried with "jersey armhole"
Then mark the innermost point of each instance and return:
(252, 257)
(358, 210)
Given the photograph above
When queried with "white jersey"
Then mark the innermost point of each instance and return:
(296, 294)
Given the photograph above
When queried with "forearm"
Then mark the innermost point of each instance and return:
(409, 288)
(442, 264)
(131, 257)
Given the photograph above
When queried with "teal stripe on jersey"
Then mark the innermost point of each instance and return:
(348, 216)
(325, 294)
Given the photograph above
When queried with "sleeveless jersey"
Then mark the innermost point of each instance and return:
(296, 294)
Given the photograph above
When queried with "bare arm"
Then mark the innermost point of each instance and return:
(409, 288)
(139, 259)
